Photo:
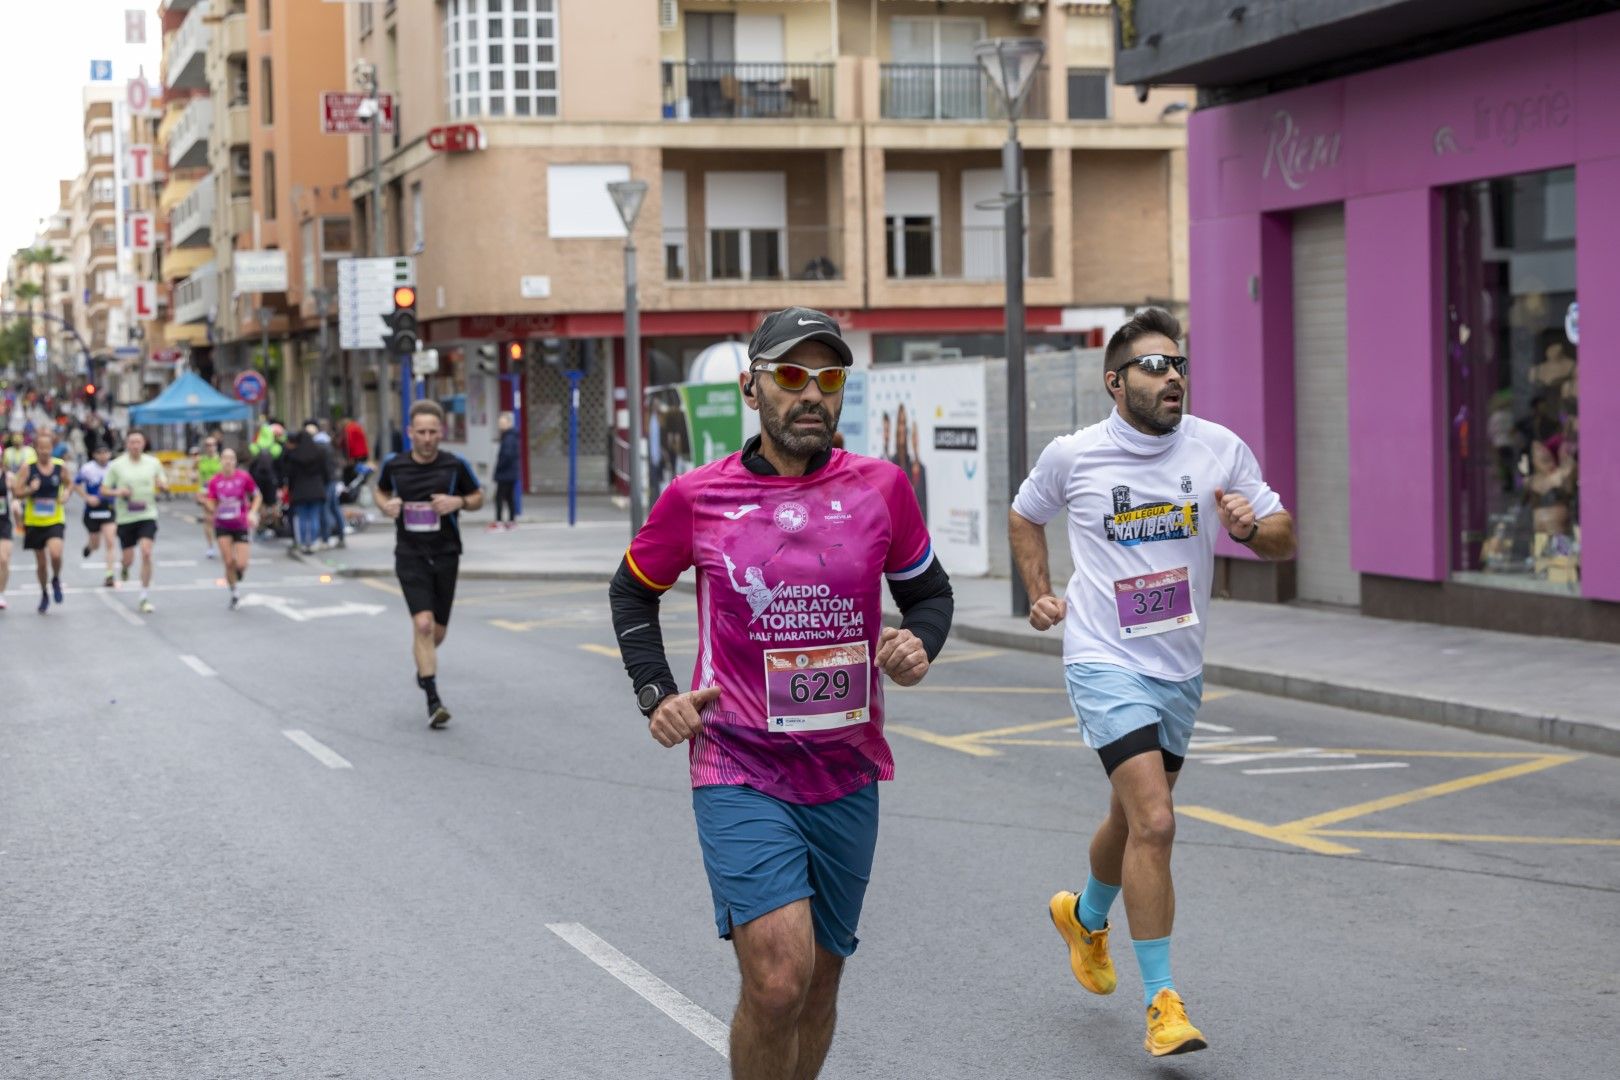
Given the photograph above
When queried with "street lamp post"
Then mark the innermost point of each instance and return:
(1010, 65)
(627, 198)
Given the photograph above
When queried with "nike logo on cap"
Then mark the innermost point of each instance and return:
(810, 322)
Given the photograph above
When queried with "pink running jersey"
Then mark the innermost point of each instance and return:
(790, 573)
(233, 497)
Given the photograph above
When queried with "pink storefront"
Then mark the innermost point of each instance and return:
(1384, 279)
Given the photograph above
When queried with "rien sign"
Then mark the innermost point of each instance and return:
(340, 113)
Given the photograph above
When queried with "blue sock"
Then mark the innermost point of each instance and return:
(1092, 910)
(1153, 958)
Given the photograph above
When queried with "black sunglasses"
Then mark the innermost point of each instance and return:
(1157, 363)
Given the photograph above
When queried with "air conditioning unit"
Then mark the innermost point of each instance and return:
(669, 14)
(242, 163)
(1029, 13)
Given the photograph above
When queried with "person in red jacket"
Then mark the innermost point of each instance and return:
(354, 442)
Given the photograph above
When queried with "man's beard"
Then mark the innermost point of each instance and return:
(800, 444)
(1142, 405)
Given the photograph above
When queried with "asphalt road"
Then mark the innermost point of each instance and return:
(187, 891)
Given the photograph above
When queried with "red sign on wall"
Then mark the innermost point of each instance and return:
(145, 301)
(455, 138)
(141, 229)
(340, 113)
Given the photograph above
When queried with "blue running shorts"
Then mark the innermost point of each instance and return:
(762, 853)
(1123, 714)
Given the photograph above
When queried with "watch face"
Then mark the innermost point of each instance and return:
(648, 696)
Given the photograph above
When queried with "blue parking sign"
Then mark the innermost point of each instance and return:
(101, 71)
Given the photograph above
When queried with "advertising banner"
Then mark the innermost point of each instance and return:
(714, 420)
(929, 420)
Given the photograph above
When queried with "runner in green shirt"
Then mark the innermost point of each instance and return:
(136, 477)
(207, 469)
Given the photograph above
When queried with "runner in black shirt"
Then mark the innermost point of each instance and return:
(425, 491)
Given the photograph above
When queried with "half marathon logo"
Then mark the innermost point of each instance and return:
(1132, 525)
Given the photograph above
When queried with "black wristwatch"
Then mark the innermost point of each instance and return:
(648, 697)
(1254, 531)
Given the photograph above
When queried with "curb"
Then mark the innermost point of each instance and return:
(1532, 727)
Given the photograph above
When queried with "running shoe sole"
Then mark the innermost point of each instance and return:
(1182, 1048)
(439, 718)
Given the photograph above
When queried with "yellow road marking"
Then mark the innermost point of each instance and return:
(1450, 787)
(380, 585)
(951, 742)
(1022, 729)
(1294, 837)
(1477, 838)
(925, 687)
(601, 650)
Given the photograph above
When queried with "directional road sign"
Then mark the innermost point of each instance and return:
(366, 294)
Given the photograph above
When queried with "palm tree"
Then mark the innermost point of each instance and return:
(41, 257)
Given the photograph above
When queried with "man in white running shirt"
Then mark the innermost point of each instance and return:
(1145, 492)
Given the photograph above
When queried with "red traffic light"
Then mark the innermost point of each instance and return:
(89, 389)
(514, 350)
(404, 296)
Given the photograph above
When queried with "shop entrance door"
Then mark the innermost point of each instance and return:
(1321, 415)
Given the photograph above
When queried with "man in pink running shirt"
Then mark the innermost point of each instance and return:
(791, 540)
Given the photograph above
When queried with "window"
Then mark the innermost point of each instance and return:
(106, 236)
(1089, 94)
(99, 145)
(267, 108)
(418, 227)
(366, 18)
(106, 282)
(746, 214)
(310, 256)
(1512, 339)
(500, 58)
(269, 178)
(104, 191)
(910, 242)
(264, 14)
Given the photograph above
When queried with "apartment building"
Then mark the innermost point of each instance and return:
(190, 275)
(94, 229)
(843, 154)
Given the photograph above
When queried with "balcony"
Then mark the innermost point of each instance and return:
(237, 120)
(796, 253)
(188, 142)
(704, 90)
(197, 297)
(187, 53)
(192, 220)
(969, 253)
(951, 92)
(241, 215)
(235, 30)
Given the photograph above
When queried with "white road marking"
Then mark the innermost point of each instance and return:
(285, 606)
(664, 997)
(1205, 725)
(1326, 768)
(1197, 743)
(1217, 758)
(120, 610)
(195, 664)
(318, 750)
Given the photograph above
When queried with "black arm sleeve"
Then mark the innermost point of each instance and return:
(926, 605)
(635, 623)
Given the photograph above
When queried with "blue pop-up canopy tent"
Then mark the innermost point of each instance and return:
(189, 400)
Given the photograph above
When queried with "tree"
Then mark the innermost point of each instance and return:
(16, 347)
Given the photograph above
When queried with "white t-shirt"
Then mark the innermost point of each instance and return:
(1142, 529)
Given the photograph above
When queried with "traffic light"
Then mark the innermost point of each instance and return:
(401, 322)
(513, 352)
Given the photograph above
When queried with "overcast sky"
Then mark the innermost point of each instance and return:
(45, 51)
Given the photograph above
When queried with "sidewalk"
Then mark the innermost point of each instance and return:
(1551, 690)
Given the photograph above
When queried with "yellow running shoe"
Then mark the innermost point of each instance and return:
(1088, 950)
(1168, 1029)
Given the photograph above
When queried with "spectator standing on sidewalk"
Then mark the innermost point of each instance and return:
(308, 469)
(331, 511)
(508, 472)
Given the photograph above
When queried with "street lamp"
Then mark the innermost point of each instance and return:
(1010, 65)
(627, 198)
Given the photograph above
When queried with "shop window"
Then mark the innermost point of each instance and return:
(1512, 345)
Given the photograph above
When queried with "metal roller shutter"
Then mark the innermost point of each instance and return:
(1322, 438)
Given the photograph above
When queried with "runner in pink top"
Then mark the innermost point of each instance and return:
(232, 499)
(792, 541)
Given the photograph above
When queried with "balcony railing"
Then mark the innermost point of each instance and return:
(197, 297)
(188, 143)
(697, 89)
(187, 54)
(762, 253)
(951, 92)
(191, 223)
(968, 253)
